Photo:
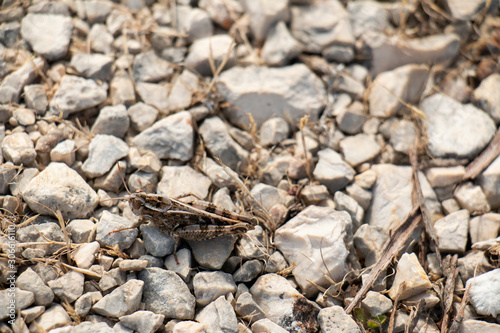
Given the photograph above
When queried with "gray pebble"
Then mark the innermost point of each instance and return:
(60, 188)
(64, 152)
(218, 316)
(68, 287)
(112, 120)
(29, 280)
(76, 94)
(165, 293)
(121, 90)
(153, 94)
(332, 171)
(23, 299)
(104, 151)
(142, 321)
(277, 87)
(148, 67)
(100, 39)
(49, 35)
(213, 253)
(172, 137)
(218, 141)
(94, 66)
(142, 116)
(208, 286)
(12, 85)
(248, 271)
(156, 242)
(214, 47)
(43, 232)
(110, 222)
(247, 308)
(18, 149)
(53, 317)
(280, 46)
(123, 300)
(456, 130)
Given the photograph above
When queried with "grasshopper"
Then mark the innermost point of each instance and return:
(197, 221)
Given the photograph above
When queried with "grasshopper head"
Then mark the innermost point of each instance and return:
(143, 203)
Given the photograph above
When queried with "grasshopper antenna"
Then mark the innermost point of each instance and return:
(123, 178)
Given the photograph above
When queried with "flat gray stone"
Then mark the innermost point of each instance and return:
(104, 152)
(171, 137)
(167, 294)
(280, 46)
(452, 231)
(76, 94)
(35, 97)
(489, 180)
(142, 321)
(49, 35)
(455, 130)
(220, 144)
(12, 85)
(332, 171)
(68, 287)
(23, 299)
(320, 25)
(213, 253)
(124, 300)
(60, 188)
(266, 92)
(94, 66)
(263, 15)
(18, 149)
(121, 89)
(181, 93)
(29, 280)
(183, 182)
(142, 116)
(218, 316)
(388, 53)
(156, 242)
(359, 148)
(208, 286)
(216, 47)
(334, 319)
(405, 83)
(112, 120)
(391, 201)
(296, 239)
(108, 224)
(148, 67)
(472, 198)
(54, 317)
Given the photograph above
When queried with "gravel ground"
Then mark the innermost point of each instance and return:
(361, 135)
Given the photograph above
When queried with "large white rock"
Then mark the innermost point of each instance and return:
(317, 240)
(412, 274)
(454, 129)
(290, 92)
(391, 201)
(484, 291)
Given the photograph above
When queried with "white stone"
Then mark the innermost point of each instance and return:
(484, 291)
(391, 201)
(171, 137)
(266, 92)
(487, 96)
(189, 327)
(53, 317)
(69, 286)
(64, 152)
(60, 188)
(452, 231)
(444, 176)
(334, 319)
(264, 14)
(332, 171)
(317, 240)
(484, 227)
(208, 286)
(84, 255)
(217, 48)
(489, 180)
(122, 301)
(376, 303)
(412, 274)
(181, 93)
(389, 89)
(474, 326)
(218, 316)
(267, 326)
(183, 181)
(454, 129)
(280, 46)
(472, 198)
(359, 148)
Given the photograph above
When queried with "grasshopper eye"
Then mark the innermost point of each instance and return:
(136, 205)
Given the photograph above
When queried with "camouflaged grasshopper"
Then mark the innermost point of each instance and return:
(196, 221)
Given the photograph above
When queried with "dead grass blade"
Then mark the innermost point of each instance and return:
(484, 159)
(391, 248)
(401, 287)
(451, 272)
(457, 321)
